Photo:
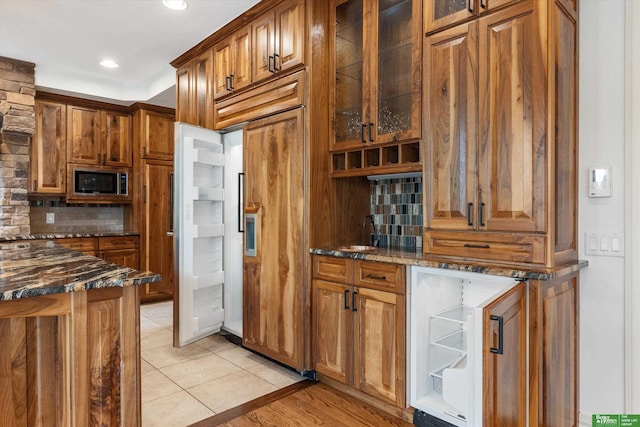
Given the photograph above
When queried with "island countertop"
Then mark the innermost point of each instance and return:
(36, 268)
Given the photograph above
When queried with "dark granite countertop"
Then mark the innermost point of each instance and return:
(35, 268)
(399, 256)
(67, 235)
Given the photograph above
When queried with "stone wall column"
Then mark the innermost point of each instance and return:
(17, 126)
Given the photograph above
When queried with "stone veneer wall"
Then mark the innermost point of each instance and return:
(17, 126)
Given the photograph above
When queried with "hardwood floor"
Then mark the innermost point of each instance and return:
(304, 404)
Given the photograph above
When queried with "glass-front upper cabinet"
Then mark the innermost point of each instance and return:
(443, 13)
(376, 62)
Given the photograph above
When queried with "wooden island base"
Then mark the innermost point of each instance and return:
(71, 359)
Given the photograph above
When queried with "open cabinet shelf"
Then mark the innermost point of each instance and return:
(376, 160)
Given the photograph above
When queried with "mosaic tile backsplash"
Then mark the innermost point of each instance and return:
(396, 206)
(76, 218)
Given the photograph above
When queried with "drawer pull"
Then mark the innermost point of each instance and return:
(469, 245)
(376, 277)
(353, 301)
(346, 304)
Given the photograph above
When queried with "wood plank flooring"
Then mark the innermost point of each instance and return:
(304, 404)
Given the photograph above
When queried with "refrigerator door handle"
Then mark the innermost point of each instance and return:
(240, 202)
(170, 204)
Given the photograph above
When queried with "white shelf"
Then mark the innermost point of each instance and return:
(208, 230)
(456, 341)
(458, 314)
(209, 280)
(208, 158)
(208, 194)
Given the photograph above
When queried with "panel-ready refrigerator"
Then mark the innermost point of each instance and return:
(454, 338)
(207, 236)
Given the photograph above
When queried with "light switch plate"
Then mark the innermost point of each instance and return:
(50, 218)
(604, 244)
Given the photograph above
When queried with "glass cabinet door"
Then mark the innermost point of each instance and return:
(440, 13)
(396, 94)
(349, 64)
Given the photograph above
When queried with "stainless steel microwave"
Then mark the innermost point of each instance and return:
(99, 184)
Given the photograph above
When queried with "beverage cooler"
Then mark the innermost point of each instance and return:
(445, 346)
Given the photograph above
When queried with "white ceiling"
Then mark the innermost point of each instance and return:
(67, 39)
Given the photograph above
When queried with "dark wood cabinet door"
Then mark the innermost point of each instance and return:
(512, 121)
(157, 135)
(84, 138)
(274, 188)
(183, 93)
(262, 46)
(202, 90)
(156, 245)
(241, 50)
(505, 359)
(125, 257)
(379, 345)
(450, 95)
(49, 149)
(332, 329)
(222, 67)
(289, 34)
(118, 141)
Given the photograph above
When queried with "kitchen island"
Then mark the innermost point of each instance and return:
(69, 328)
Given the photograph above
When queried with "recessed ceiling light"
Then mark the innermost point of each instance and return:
(175, 4)
(109, 63)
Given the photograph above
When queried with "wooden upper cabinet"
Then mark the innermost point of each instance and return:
(451, 111)
(278, 39)
(48, 163)
(202, 88)
(376, 63)
(118, 145)
(98, 137)
(501, 137)
(232, 63)
(512, 121)
(443, 13)
(157, 140)
(183, 94)
(84, 139)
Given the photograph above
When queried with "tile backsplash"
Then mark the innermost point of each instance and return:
(76, 219)
(396, 206)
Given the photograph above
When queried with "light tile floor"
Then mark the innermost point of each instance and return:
(181, 386)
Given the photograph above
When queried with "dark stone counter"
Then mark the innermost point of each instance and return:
(399, 256)
(34, 268)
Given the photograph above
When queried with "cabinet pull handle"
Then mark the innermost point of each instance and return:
(470, 8)
(353, 301)
(226, 83)
(470, 245)
(144, 151)
(144, 194)
(362, 133)
(375, 276)
(482, 4)
(231, 77)
(469, 221)
(346, 304)
(500, 349)
(269, 67)
(275, 62)
(482, 224)
(35, 185)
(370, 132)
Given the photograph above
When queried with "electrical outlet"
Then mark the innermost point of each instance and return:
(50, 218)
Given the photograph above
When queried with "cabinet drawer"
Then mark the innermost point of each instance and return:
(82, 244)
(380, 275)
(524, 248)
(332, 269)
(118, 242)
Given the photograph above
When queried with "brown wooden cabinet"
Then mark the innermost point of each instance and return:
(232, 63)
(121, 250)
(274, 308)
(194, 91)
(157, 228)
(98, 137)
(154, 136)
(443, 13)
(278, 39)
(359, 325)
(48, 161)
(376, 62)
(488, 159)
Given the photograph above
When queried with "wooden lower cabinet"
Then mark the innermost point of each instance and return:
(359, 332)
(71, 359)
(121, 250)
